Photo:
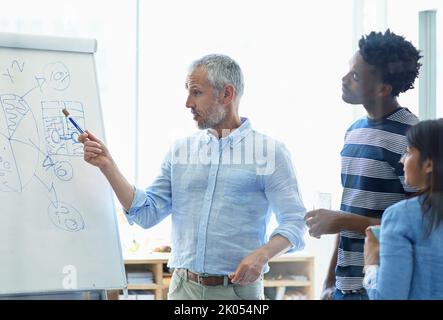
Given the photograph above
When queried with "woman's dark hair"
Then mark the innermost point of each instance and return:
(395, 58)
(427, 138)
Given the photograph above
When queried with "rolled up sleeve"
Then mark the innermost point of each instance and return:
(151, 206)
(283, 194)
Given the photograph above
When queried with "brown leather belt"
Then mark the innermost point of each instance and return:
(205, 280)
(358, 291)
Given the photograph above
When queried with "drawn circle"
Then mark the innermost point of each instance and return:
(63, 170)
(71, 224)
(19, 143)
(57, 75)
(66, 217)
(55, 136)
(74, 136)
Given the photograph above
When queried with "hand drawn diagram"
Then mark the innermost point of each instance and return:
(17, 125)
(57, 75)
(22, 159)
(61, 135)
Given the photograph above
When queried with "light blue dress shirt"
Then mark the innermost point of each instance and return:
(220, 194)
(411, 264)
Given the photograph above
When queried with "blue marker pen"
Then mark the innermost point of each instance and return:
(74, 123)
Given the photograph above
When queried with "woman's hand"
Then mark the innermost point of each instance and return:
(372, 249)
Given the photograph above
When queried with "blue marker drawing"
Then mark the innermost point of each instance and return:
(74, 123)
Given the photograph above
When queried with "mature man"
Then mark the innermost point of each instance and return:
(372, 176)
(220, 187)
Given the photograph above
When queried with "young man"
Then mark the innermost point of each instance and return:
(220, 187)
(372, 176)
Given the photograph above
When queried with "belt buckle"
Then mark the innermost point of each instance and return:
(352, 291)
(200, 277)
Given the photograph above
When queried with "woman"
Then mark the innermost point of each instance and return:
(410, 262)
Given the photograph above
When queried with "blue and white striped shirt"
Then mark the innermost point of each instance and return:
(372, 179)
(220, 194)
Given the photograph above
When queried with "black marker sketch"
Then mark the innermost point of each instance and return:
(17, 126)
(57, 75)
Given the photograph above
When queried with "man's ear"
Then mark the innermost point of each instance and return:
(428, 166)
(228, 94)
(385, 90)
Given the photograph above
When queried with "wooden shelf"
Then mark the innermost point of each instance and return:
(154, 263)
(142, 286)
(286, 283)
(281, 270)
(279, 280)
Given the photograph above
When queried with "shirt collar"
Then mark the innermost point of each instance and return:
(235, 136)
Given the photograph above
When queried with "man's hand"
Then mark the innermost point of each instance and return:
(95, 151)
(250, 268)
(327, 293)
(322, 221)
(372, 249)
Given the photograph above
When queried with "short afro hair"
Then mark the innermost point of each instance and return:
(394, 57)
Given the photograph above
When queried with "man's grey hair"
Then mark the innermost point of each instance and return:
(222, 71)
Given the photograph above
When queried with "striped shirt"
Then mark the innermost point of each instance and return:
(372, 179)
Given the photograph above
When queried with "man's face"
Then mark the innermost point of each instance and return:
(203, 100)
(361, 84)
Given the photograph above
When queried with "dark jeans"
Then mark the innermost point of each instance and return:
(361, 295)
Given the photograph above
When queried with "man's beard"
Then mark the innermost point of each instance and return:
(216, 114)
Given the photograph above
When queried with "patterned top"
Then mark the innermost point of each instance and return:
(372, 179)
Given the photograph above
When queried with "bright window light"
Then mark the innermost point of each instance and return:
(293, 55)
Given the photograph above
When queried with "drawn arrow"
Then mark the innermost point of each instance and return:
(52, 193)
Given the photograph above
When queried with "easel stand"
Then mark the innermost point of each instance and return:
(73, 295)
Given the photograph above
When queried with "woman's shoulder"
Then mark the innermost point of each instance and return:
(413, 202)
(405, 210)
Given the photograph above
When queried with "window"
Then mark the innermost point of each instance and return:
(407, 24)
(293, 55)
(115, 55)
